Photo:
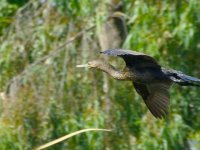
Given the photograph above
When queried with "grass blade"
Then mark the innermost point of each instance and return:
(68, 136)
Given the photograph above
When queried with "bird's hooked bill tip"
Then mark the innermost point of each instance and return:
(81, 66)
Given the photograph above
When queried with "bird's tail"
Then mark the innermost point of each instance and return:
(183, 79)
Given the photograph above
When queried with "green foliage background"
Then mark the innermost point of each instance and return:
(44, 96)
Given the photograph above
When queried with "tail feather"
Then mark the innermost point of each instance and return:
(183, 79)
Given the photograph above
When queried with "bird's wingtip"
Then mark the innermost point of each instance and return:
(110, 49)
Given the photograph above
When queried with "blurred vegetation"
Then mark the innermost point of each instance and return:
(44, 96)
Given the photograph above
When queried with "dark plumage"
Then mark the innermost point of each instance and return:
(150, 80)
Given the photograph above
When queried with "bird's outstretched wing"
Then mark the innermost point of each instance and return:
(156, 97)
(133, 58)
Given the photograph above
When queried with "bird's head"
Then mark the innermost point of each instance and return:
(92, 64)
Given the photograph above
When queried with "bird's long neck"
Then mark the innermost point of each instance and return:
(109, 69)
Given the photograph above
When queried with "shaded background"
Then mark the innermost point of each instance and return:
(44, 96)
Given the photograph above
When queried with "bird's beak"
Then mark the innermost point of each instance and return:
(81, 66)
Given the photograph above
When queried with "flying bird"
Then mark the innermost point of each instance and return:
(150, 80)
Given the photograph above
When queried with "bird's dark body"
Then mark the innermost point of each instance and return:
(147, 74)
(150, 80)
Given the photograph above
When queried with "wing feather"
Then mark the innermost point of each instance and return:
(156, 97)
(133, 58)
